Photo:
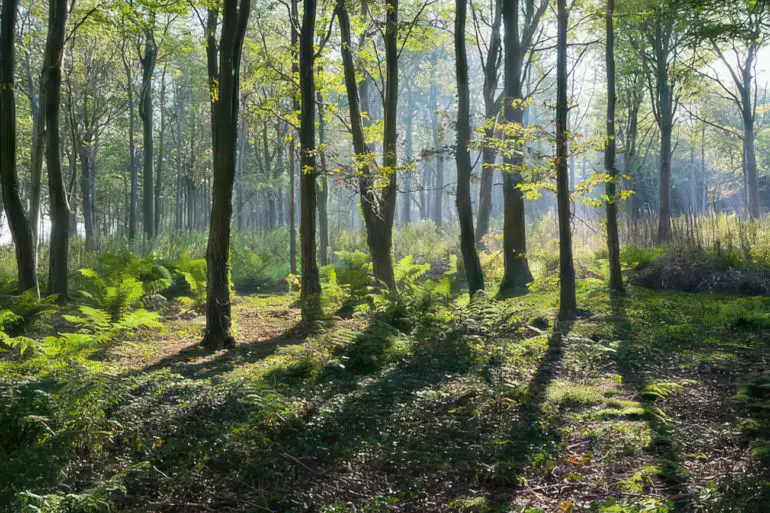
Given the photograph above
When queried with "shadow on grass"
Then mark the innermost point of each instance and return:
(530, 434)
(196, 361)
(629, 359)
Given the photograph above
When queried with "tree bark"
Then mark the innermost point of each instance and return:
(87, 186)
(52, 60)
(322, 190)
(17, 220)
(311, 284)
(613, 241)
(133, 171)
(147, 114)
(378, 207)
(516, 267)
(463, 157)
(567, 301)
(438, 143)
(161, 154)
(218, 307)
(491, 111)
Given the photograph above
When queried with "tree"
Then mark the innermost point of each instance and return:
(613, 241)
(744, 24)
(59, 206)
(491, 66)
(322, 189)
(567, 301)
(463, 157)
(659, 30)
(14, 210)
(377, 202)
(146, 112)
(311, 284)
(518, 42)
(225, 123)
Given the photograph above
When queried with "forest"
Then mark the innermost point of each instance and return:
(370, 256)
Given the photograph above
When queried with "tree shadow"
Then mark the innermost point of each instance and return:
(529, 433)
(196, 361)
(629, 358)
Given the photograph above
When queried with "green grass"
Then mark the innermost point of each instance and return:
(420, 405)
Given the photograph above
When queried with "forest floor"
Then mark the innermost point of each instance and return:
(630, 408)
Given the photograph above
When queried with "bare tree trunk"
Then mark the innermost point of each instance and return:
(161, 155)
(218, 311)
(87, 154)
(292, 210)
(491, 110)
(14, 210)
(516, 267)
(613, 240)
(406, 197)
(134, 194)
(378, 207)
(52, 60)
(463, 157)
(567, 301)
(311, 284)
(438, 143)
(322, 191)
(146, 113)
(292, 167)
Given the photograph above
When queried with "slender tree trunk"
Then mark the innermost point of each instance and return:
(516, 267)
(438, 184)
(52, 60)
(406, 197)
(378, 208)
(292, 210)
(146, 113)
(463, 157)
(161, 154)
(87, 180)
(751, 164)
(14, 210)
(322, 190)
(567, 302)
(311, 284)
(613, 240)
(133, 170)
(292, 167)
(491, 111)
(36, 163)
(179, 213)
(218, 308)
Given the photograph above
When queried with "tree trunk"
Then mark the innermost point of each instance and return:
(491, 110)
(292, 210)
(613, 240)
(516, 267)
(14, 210)
(87, 191)
(161, 154)
(52, 60)
(218, 311)
(134, 172)
(146, 113)
(377, 207)
(438, 183)
(463, 157)
(751, 164)
(406, 174)
(322, 191)
(567, 302)
(36, 164)
(311, 284)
